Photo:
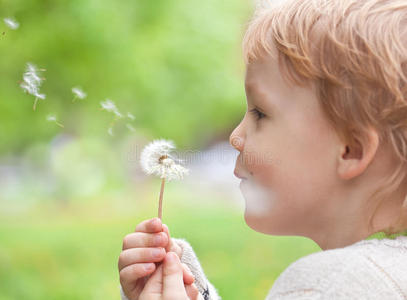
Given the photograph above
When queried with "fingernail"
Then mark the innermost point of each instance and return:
(171, 257)
(156, 221)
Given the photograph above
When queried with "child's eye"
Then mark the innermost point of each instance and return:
(257, 113)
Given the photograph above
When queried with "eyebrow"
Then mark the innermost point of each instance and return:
(266, 102)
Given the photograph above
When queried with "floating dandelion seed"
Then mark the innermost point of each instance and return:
(32, 82)
(128, 125)
(110, 131)
(156, 159)
(110, 106)
(131, 128)
(11, 23)
(78, 93)
(53, 118)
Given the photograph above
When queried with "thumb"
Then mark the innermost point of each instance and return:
(170, 242)
(173, 282)
(171, 246)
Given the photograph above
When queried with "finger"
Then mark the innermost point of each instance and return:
(192, 291)
(150, 226)
(154, 285)
(189, 278)
(132, 273)
(173, 283)
(140, 255)
(172, 246)
(142, 239)
(170, 241)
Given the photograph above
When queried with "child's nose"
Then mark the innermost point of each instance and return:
(236, 139)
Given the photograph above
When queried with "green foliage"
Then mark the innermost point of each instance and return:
(175, 65)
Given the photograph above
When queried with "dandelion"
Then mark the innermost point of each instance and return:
(78, 93)
(53, 118)
(156, 159)
(11, 23)
(32, 82)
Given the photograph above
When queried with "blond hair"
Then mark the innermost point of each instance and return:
(354, 52)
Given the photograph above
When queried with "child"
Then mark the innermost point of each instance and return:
(325, 140)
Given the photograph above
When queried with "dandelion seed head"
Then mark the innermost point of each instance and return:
(156, 159)
(78, 92)
(11, 23)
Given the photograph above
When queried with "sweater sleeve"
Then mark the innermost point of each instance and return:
(207, 290)
(122, 295)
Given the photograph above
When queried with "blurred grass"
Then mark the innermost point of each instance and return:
(70, 251)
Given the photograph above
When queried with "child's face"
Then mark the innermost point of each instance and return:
(289, 152)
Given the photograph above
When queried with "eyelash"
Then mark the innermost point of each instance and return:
(257, 113)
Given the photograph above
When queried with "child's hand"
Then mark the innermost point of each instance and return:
(137, 254)
(167, 283)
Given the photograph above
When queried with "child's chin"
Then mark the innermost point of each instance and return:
(256, 222)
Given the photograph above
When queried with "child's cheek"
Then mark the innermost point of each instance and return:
(260, 167)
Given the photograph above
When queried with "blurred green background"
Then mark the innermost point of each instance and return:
(68, 196)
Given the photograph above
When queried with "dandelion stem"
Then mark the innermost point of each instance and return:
(160, 205)
(74, 98)
(35, 103)
(59, 124)
(113, 121)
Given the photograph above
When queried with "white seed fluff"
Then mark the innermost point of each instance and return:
(156, 159)
(78, 92)
(110, 106)
(131, 128)
(11, 23)
(32, 81)
(51, 118)
(110, 131)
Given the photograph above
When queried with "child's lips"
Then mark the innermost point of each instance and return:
(238, 175)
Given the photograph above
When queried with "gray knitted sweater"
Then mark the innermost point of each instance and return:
(373, 269)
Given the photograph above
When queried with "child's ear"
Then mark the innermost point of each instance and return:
(354, 159)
